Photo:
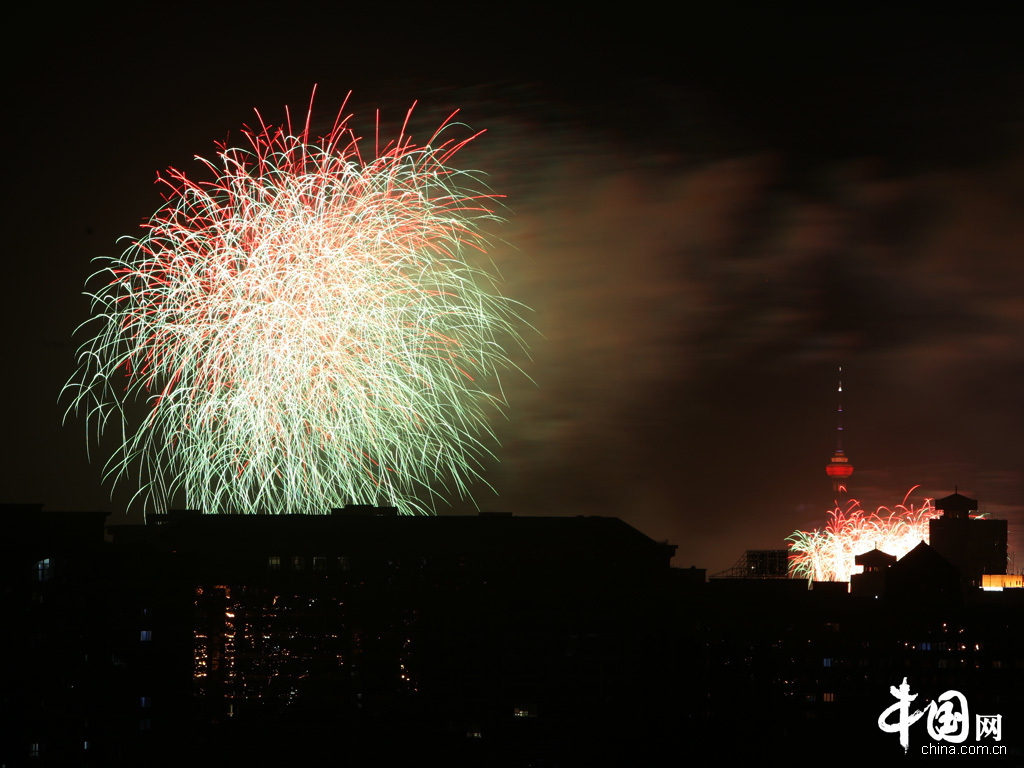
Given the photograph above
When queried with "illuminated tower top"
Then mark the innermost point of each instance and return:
(839, 467)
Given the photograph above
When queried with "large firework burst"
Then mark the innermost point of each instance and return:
(829, 554)
(306, 328)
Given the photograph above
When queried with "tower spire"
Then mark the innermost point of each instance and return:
(839, 467)
(839, 415)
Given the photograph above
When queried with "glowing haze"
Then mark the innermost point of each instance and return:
(307, 327)
(828, 555)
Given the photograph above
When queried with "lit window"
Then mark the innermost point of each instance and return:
(319, 563)
(274, 562)
(43, 571)
(826, 662)
(297, 563)
(828, 697)
(144, 702)
(145, 636)
(33, 750)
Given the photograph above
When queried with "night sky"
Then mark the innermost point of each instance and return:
(707, 215)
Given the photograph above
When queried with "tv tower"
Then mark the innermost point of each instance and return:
(839, 467)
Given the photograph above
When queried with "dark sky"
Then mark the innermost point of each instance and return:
(706, 214)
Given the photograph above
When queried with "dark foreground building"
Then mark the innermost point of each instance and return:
(373, 639)
(976, 545)
(362, 634)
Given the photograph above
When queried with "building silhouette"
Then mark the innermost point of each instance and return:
(975, 545)
(375, 639)
(870, 582)
(487, 639)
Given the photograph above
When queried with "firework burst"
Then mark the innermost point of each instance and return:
(828, 555)
(306, 328)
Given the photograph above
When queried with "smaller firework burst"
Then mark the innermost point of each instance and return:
(828, 555)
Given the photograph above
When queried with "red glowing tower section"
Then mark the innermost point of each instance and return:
(839, 467)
